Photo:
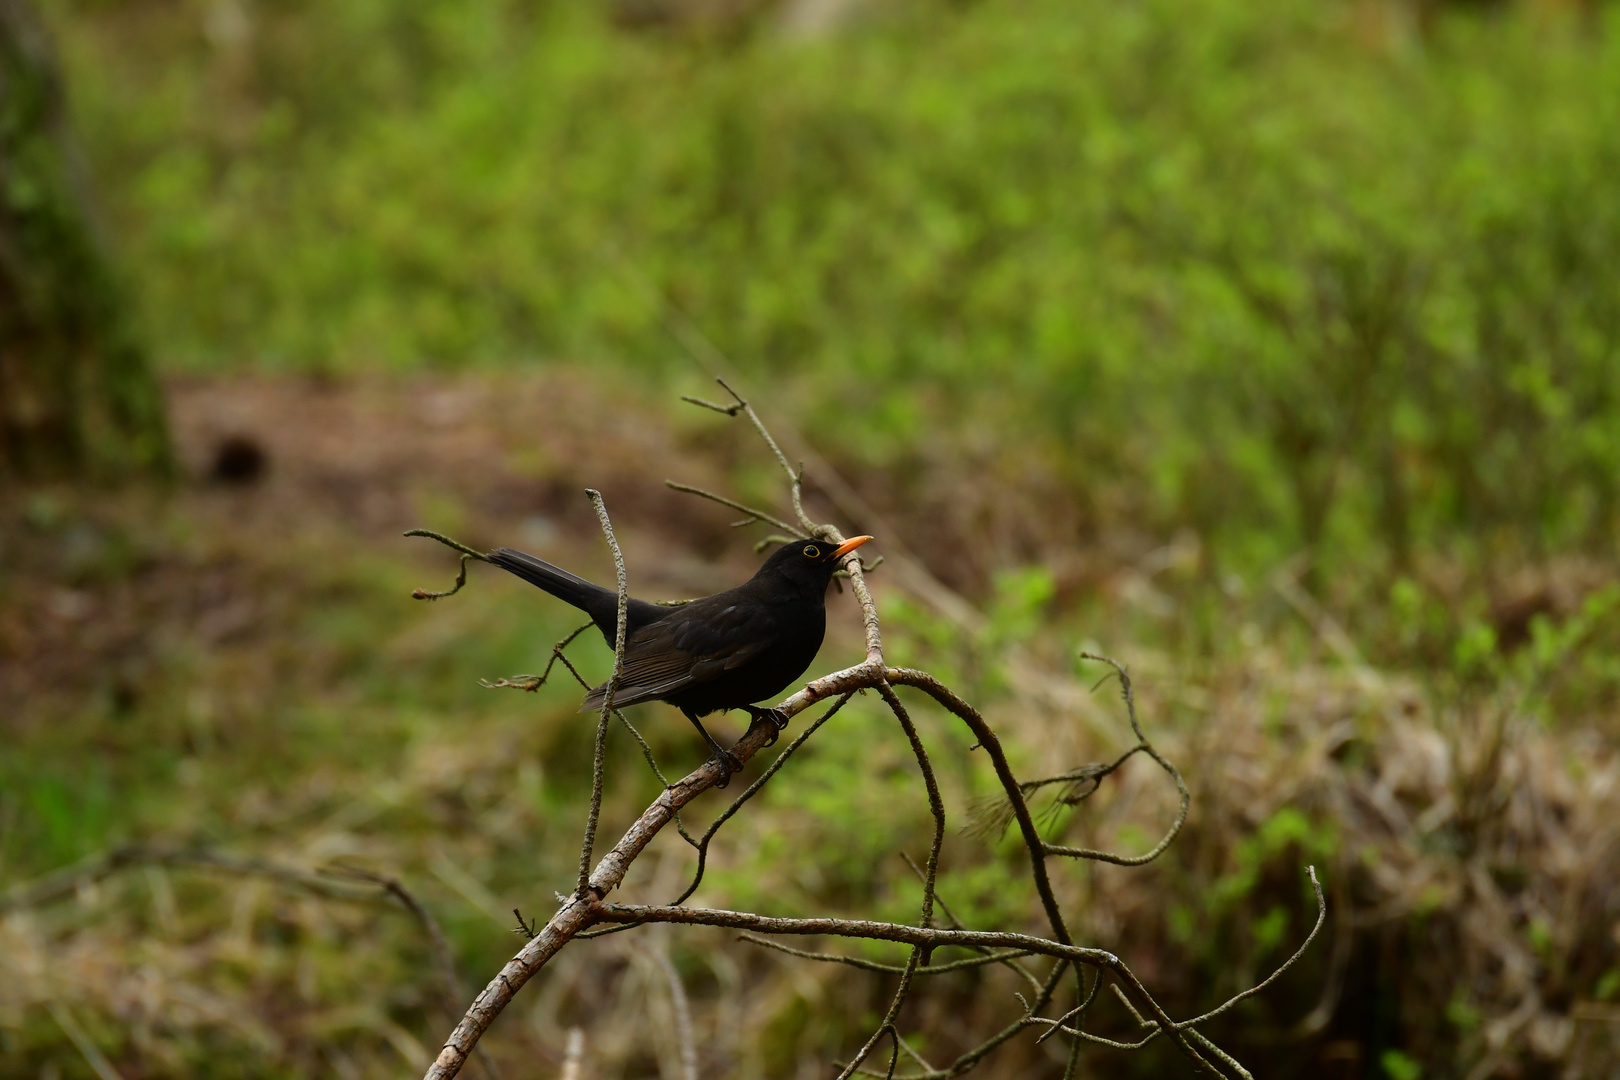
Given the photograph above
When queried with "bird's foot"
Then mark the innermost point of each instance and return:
(728, 764)
(778, 720)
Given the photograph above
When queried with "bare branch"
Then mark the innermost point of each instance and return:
(904, 933)
(727, 410)
(1009, 784)
(1085, 1004)
(532, 683)
(957, 924)
(1228, 1059)
(795, 476)
(598, 761)
(1089, 1037)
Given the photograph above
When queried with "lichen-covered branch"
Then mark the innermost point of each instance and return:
(620, 627)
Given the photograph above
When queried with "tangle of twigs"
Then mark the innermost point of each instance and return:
(587, 913)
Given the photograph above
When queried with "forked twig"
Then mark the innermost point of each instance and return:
(992, 816)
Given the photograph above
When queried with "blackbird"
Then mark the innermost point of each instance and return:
(724, 651)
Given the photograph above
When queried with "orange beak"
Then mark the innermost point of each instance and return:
(848, 546)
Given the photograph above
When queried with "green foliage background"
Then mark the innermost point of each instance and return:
(1278, 271)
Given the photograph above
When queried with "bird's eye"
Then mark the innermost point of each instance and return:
(811, 551)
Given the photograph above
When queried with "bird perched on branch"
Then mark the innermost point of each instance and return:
(724, 651)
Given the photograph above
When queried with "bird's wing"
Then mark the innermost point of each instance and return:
(695, 644)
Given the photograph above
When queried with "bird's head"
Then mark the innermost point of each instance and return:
(810, 563)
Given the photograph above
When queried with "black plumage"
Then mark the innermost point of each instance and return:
(721, 652)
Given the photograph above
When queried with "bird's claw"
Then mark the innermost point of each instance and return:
(778, 719)
(728, 764)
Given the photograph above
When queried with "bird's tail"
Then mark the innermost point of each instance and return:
(600, 604)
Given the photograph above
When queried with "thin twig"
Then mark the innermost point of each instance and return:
(1085, 1003)
(598, 761)
(958, 924)
(461, 576)
(795, 476)
(753, 514)
(1147, 748)
(1321, 917)
(753, 789)
(895, 969)
(531, 683)
(920, 954)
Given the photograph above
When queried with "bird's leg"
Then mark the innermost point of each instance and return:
(728, 761)
(779, 719)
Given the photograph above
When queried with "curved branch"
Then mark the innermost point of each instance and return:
(1147, 748)
(921, 953)
(461, 576)
(1321, 917)
(702, 844)
(941, 693)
